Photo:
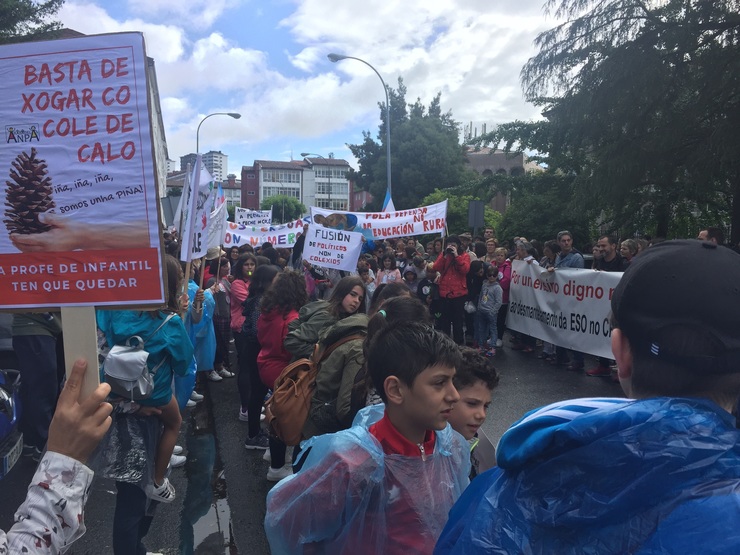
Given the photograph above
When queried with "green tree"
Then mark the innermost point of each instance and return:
(23, 20)
(642, 105)
(284, 208)
(425, 152)
(457, 211)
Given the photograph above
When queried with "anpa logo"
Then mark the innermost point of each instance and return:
(22, 133)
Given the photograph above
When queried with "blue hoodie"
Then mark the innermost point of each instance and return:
(603, 476)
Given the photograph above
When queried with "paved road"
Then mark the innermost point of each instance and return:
(221, 490)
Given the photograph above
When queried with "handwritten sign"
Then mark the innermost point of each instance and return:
(385, 225)
(253, 217)
(330, 248)
(567, 307)
(80, 224)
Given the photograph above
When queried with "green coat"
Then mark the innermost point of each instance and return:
(304, 332)
(330, 409)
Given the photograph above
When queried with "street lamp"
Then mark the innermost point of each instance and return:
(334, 58)
(197, 133)
(303, 155)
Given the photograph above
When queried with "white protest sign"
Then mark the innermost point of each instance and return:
(80, 220)
(253, 217)
(281, 236)
(197, 217)
(331, 248)
(385, 225)
(567, 307)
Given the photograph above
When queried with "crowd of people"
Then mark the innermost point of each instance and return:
(385, 464)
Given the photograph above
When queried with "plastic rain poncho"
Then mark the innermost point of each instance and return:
(349, 497)
(602, 476)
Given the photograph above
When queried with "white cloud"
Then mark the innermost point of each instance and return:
(196, 14)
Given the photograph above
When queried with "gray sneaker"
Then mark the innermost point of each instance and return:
(259, 441)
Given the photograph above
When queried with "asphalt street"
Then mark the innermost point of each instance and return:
(221, 490)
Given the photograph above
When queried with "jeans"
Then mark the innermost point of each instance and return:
(501, 320)
(453, 314)
(486, 329)
(242, 377)
(257, 389)
(41, 371)
(132, 518)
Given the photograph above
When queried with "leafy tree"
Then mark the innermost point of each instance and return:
(22, 20)
(457, 211)
(642, 105)
(425, 151)
(284, 208)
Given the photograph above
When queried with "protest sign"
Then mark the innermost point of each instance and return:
(330, 248)
(197, 212)
(253, 217)
(281, 236)
(218, 220)
(386, 225)
(567, 307)
(81, 216)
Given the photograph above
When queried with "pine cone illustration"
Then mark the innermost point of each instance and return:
(28, 194)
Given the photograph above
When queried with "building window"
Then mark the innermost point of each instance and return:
(250, 193)
(281, 176)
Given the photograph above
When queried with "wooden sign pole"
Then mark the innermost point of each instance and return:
(81, 341)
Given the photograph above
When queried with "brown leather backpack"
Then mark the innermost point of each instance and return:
(287, 409)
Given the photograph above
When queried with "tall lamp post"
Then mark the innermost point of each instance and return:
(197, 133)
(304, 154)
(334, 58)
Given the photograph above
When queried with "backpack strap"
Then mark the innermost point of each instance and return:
(330, 349)
(159, 327)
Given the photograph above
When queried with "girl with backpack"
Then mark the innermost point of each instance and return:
(279, 307)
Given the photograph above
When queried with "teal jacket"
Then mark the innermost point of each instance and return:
(170, 341)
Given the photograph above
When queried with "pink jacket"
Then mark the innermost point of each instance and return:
(239, 293)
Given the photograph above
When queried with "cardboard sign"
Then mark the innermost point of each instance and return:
(80, 221)
(330, 248)
(386, 225)
(253, 217)
(568, 307)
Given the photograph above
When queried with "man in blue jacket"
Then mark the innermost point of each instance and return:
(656, 473)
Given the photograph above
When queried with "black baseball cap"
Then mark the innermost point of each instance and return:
(679, 301)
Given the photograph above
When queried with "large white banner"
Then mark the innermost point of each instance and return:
(567, 307)
(386, 225)
(253, 217)
(281, 236)
(331, 248)
(198, 201)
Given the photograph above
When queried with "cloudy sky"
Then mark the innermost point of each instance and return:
(266, 59)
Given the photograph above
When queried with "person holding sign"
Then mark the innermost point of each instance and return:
(453, 289)
(388, 272)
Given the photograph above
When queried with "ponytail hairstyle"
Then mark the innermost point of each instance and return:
(175, 277)
(262, 279)
(386, 291)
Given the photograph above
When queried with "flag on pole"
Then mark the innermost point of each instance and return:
(195, 239)
(219, 217)
(388, 202)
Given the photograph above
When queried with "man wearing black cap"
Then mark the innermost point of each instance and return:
(656, 473)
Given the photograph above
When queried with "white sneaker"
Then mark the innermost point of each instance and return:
(214, 376)
(243, 415)
(267, 457)
(177, 450)
(277, 474)
(164, 493)
(195, 396)
(190, 404)
(224, 373)
(499, 343)
(177, 461)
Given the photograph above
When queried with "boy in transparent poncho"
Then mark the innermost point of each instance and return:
(386, 484)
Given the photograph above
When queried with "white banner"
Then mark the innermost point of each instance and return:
(386, 225)
(218, 221)
(567, 307)
(331, 248)
(253, 217)
(281, 236)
